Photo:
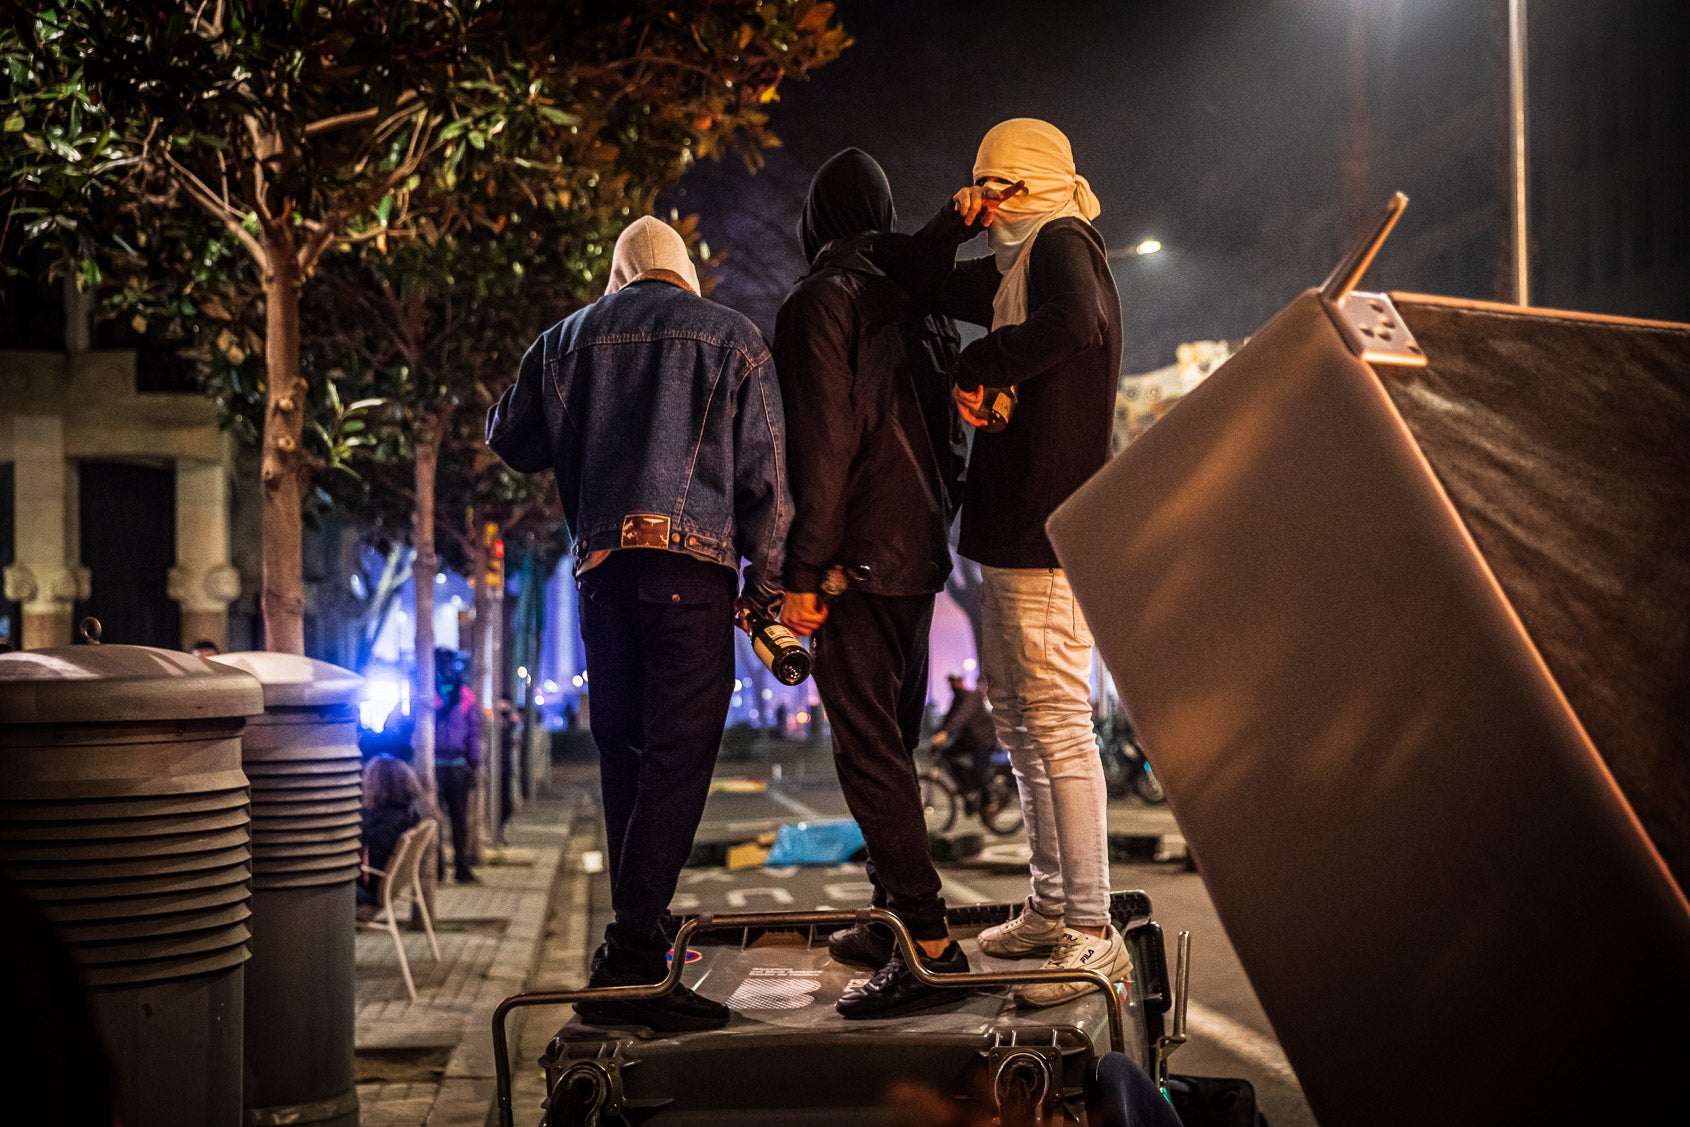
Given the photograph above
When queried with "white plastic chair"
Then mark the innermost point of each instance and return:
(403, 880)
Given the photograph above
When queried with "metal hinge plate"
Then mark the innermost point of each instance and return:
(1374, 330)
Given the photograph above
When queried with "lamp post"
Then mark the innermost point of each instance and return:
(1517, 144)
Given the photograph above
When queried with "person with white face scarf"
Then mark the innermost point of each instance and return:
(1047, 296)
(660, 415)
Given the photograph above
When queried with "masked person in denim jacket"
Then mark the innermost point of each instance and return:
(661, 417)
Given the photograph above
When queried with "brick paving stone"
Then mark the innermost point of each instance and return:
(489, 935)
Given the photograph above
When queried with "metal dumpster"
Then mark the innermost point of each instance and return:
(302, 758)
(123, 815)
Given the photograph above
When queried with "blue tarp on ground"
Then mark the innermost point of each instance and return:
(816, 843)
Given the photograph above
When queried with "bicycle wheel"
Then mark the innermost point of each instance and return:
(938, 801)
(1000, 804)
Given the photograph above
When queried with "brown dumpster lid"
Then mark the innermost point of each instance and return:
(113, 684)
(291, 681)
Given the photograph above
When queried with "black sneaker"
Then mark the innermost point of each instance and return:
(895, 991)
(864, 945)
(682, 1010)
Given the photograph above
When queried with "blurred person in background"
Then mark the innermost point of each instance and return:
(457, 757)
(967, 735)
(393, 803)
(510, 754)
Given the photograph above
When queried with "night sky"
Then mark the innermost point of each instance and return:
(1215, 127)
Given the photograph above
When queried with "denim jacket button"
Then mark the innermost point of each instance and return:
(674, 538)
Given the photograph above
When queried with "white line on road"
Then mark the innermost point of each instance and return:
(1241, 1041)
(958, 893)
(792, 804)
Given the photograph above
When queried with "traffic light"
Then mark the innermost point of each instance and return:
(495, 545)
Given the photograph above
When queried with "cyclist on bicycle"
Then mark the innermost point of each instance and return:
(966, 736)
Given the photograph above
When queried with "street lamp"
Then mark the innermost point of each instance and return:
(1138, 249)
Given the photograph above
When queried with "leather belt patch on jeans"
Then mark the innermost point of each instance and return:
(645, 530)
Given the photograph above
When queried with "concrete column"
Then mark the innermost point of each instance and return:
(48, 577)
(203, 582)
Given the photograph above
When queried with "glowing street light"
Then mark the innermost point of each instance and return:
(1148, 246)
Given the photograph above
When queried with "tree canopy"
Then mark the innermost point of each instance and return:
(212, 153)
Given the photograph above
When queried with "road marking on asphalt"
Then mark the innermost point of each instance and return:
(808, 813)
(1241, 1041)
(958, 893)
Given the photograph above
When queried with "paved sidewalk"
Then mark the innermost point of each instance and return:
(430, 1062)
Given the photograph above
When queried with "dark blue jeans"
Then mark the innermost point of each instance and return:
(658, 628)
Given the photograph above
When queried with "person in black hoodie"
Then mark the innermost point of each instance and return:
(875, 449)
(1055, 319)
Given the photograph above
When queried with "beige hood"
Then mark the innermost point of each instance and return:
(650, 248)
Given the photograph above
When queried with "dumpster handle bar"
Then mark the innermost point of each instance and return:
(727, 922)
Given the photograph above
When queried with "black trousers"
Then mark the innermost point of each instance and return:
(658, 628)
(871, 671)
(455, 784)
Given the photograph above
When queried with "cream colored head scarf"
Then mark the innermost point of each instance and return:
(1034, 151)
(650, 248)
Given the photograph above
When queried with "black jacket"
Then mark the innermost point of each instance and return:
(1064, 361)
(875, 446)
(383, 826)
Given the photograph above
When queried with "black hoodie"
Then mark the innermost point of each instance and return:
(875, 444)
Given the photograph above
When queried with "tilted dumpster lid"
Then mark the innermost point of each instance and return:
(107, 684)
(291, 681)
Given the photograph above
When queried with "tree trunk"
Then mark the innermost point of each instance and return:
(422, 573)
(422, 695)
(533, 624)
(282, 467)
(479, 637)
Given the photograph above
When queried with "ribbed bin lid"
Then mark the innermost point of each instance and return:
(113, 684)
(291, 681)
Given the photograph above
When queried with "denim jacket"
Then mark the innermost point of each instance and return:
(657, 404)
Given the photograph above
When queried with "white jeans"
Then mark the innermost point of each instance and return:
(1037, 661)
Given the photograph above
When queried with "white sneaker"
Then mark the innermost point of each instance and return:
(1078, 951)
(1028, 933)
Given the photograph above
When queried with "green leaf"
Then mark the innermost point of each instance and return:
(14, 123)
